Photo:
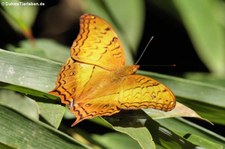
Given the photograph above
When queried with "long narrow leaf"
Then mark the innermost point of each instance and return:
(22, 132)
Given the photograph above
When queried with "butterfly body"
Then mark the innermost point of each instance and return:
(96, 82)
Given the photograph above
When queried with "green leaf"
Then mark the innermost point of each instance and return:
(6, 146)
(207, 111)
(29, 133)
(116, 140)
(19, 103)
(168, 133)
(42, 96)
(28, 71)
(191, 131)
(206, 78)
(45, 48)
(206, 32)
(51, 113)
(141, 135)
(144, 131)
(133, 128)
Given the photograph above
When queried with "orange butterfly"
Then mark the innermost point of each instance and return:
(95, 81)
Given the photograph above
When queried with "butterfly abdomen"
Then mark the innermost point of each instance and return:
(126, 70)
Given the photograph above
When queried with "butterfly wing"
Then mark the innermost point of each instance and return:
(71, 80)
(142, 92)
(99, 106)
(76, 79)
(90, 83)
(128, 93)
(98, 44)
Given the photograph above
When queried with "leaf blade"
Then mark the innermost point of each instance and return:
(33, 134)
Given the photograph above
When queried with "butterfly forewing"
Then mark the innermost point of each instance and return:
(71, 80)
(98, 44)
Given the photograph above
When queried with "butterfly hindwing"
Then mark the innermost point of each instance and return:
(143, 92)
(99, 106)
(130, 92)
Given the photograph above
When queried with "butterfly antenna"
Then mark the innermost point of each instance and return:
(144, 50)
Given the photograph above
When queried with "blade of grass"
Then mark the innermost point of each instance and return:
(6, 146)
(19, 103)
(184, 128)
(29, 133)
(28, 71)
(116, 141)
(206, 77)
(51, 113)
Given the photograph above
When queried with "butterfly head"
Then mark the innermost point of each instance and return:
(132, 69)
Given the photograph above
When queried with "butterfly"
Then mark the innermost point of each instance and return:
(95, 81)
